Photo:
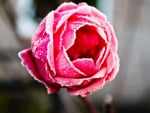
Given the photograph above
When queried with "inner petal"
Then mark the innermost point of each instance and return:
(87, 44)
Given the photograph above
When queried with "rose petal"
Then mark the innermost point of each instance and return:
(92, 12)
(97, 15)
(40, 41)
(66, 7)
(39, 31)
(67, 82)
(102, 56)
(80, 82)
(110, 61)
(114, 71)
(90, 88)
(39, 47)
(82, 9)
(111, 37)
(102, 34)
(101, 73)
(69, 34)
(60, 19)
(58, 39)
(45, 71)
(29, 62)
(46, 75)
(85, 65)
(65, 68)
(87, 33)
(50, 47)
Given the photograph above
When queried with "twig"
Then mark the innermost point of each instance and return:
(89, 105)
(108, 104)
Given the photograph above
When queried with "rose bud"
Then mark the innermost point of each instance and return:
(74, 47)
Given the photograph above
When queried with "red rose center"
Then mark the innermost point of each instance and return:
(87, 44)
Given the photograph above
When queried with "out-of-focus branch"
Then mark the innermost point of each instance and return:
(108, 104)
(9, 11)
(11, 16)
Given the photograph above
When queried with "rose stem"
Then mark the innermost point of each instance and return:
(89, 105)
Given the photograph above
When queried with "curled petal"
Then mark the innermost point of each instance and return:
(85, 65)
(102, 34)
(60, 19)
(65, 68)
(100, 74)
(102, 55)
(69, 35)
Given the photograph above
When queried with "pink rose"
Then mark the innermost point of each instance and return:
(75, 48)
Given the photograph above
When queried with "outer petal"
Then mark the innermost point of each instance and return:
(65, 68)
(82, 9)
(90, 88)
(29, 62)
(39, 48)
(80, 82)
(45, 73)
(39, 32)
(115, 69)
(111, 37)
(66, 7)
(58, 39)
(50, 47)
(98, 16)
(40, 41)
(109, 61)
(76, 16)
(68, 82)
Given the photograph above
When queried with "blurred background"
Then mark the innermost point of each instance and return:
(130, 91)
